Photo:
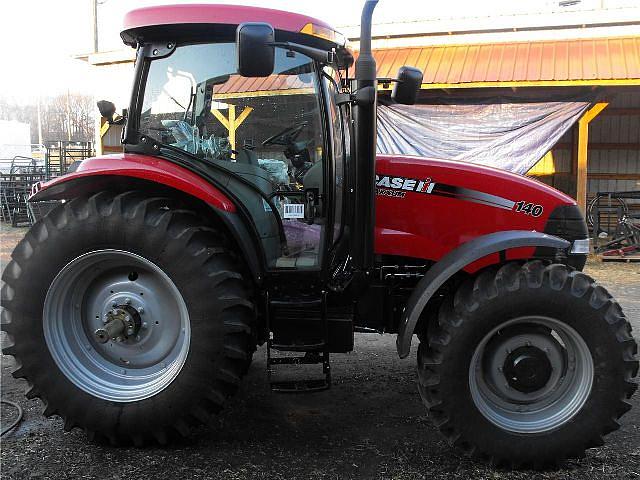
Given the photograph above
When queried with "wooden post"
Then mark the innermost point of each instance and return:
(232, 128)
(583, 148)
(232, 122)
(102, 127)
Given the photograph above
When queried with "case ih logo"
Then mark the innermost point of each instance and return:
(398, 186)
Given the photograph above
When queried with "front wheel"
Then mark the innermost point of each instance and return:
(128, 316)
(528, 365)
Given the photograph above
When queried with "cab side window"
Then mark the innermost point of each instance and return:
(340, 143)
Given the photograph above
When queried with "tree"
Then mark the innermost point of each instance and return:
(63, 117)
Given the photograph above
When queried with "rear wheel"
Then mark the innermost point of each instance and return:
(128, 316)
(528, 365)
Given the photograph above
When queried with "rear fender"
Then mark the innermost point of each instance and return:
(132, 170)
(457, 260)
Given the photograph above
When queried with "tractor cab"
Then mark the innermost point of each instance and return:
(274, 139)
(263, 108)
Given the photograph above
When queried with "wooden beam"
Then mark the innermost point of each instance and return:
(583, 149)
(104, 128)
(232, 122)
(231, 127)
(594, 111)
(581, 165)
(97, 134)
(221, 118)
(264, 93)
(241, 118)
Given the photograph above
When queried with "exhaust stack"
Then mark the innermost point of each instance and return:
(364, 114)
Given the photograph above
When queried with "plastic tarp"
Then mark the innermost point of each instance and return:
(504, 133)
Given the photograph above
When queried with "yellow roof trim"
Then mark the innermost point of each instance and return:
(542, 83)
(263, 93)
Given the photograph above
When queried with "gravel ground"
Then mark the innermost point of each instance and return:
(371, 424)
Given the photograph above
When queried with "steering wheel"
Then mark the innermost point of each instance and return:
(286, 136)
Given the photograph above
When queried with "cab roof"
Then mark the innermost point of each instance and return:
(143, 19)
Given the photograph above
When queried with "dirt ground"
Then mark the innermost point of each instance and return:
(371, 424)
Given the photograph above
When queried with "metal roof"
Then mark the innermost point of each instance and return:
(561, 62)
(602, 61)
(272, 84)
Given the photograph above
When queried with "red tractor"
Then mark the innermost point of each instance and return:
(249, 207)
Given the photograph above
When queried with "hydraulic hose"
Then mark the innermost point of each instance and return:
(17, 420)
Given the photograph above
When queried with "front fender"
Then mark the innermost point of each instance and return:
(455, 261)
(91, 172)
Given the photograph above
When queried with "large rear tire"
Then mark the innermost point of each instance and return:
(180, 315)
(528, 365)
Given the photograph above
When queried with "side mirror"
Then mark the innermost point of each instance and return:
(107, 110)
(256, 53)
(406, 88)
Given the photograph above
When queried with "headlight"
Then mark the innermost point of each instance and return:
(580, 246)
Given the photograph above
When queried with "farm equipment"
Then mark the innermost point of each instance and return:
(15, 188)
(615, 227)
(21, 173)
(249, 207)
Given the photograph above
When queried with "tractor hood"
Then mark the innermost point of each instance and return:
(426, 207)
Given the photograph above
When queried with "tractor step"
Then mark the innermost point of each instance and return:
(300, 386)
(310, 347)
(312, 357)
(315, 353)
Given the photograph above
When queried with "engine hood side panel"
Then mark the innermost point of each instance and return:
(427, 207)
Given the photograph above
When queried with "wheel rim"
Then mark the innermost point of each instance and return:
(106, 287)
(531, 374)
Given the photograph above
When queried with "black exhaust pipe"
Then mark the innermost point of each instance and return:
(364, 114)
(366, 64)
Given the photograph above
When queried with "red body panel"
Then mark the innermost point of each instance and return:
(144, 167)
(429, 225)
(220, 14)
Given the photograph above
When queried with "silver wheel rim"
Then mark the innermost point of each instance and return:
(87, 293)
(557, 401)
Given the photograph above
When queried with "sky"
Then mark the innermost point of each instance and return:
(41, 36)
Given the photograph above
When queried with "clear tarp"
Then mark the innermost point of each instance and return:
(502, 132)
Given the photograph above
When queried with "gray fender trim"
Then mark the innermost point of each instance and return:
(455, 261)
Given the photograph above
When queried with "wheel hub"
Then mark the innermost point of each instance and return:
(116, 325)
(527, 369)
(531, 374)
(121, 324)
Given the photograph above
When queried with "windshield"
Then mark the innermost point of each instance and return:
(194, 100)
(267, 130)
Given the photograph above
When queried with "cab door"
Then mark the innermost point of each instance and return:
(337, 179)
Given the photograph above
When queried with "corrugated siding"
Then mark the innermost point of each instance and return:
(617, 129)
(608, 128)
(568, 60)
